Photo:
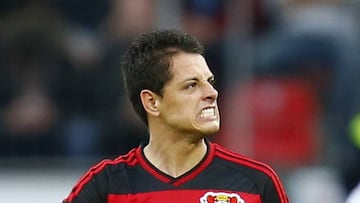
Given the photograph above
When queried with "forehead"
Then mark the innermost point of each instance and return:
(189, 65)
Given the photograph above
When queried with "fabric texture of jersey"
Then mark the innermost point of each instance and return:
(221, 177)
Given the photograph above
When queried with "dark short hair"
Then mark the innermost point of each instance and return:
(146, 63)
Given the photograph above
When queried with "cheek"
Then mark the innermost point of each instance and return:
(181, 111)
(179, 108)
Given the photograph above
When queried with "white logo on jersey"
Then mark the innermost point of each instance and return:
(221, 197)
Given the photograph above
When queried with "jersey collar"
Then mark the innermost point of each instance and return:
(183, 178)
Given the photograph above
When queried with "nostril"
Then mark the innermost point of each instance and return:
(212, 96)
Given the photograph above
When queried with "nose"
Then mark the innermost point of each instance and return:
(210, 93)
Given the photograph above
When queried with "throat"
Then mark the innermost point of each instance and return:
(176, 161)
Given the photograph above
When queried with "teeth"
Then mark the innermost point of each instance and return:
(207, 112)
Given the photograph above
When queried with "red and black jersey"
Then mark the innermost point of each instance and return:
(221, 177)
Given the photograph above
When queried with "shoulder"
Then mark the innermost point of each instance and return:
(129, 159)
(263, 175)
(245, 163)
(98, 175)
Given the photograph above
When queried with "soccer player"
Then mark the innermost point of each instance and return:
(172, 90)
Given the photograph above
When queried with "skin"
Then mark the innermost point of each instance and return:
(177, 125)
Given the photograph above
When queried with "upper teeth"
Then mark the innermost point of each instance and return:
(207, 112)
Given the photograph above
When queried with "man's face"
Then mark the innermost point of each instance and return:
(189, 101)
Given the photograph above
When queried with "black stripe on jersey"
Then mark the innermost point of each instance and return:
(236, 158)
(130, 159)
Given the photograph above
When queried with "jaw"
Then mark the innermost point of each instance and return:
(207, 121)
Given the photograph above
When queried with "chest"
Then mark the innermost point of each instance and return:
(186, 196)
(210, 186)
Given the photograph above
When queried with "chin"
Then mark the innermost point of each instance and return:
(210, 130)
(208, 127)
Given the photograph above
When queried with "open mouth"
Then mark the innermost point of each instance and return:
(208, 113)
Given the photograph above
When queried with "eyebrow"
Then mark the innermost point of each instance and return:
(196, 79)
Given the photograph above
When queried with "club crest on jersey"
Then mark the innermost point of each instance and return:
(221, 197)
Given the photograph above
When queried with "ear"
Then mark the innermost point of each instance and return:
(150, 102)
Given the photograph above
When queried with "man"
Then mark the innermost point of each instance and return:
(171, 88)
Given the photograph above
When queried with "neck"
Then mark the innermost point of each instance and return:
(175, 157)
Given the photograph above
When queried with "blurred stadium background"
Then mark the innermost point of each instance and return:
(287, 71)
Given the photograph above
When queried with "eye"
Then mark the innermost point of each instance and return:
(191, 85)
